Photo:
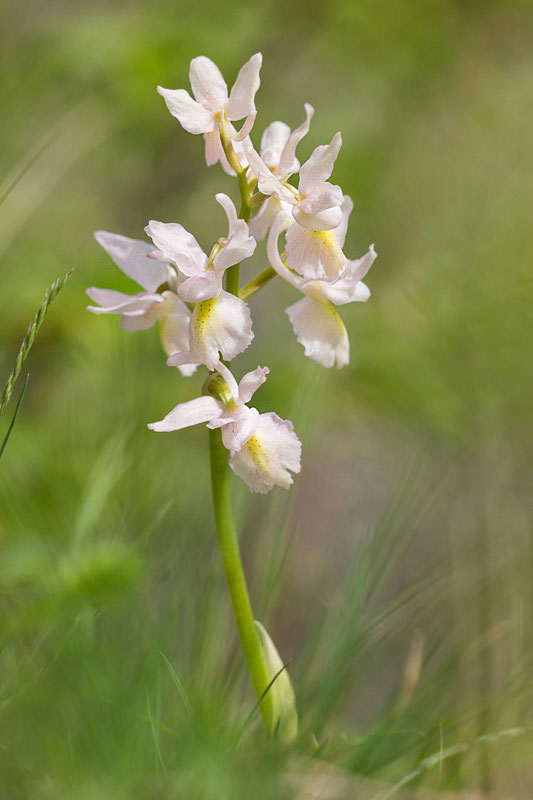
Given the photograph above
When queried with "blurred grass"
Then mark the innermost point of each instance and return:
(412, 511)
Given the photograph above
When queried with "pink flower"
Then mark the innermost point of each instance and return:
(141, 311)
(264, 448)
(315, 321)
(316, 207)
(212, 104)
(220, 323)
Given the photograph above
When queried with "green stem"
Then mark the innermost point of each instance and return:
(231, 559)
(244, 189)
(226, 531)
(257, 283)
(232, 280)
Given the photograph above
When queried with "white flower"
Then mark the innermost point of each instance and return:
(319, 254)
(212, 104)
(265, 459)
(263, 447)
(317, 208)
(222, 325)
(278, 152)
(220, 321)
(203, 275)
(315, 321)
(142, 310)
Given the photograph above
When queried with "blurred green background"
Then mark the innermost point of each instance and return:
(397, 574)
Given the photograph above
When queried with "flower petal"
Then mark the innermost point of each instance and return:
(288, 163)
(194, 118)
(321, 209)
(174, 320)
(238, 147)
(229, 207)
(359, 268)
(236, 434)
(222, 324)
(321, 331)
(107, 299)
(139, 322)
(322, 221)
(181, 359)
(319, 166)
(251, 382)
(265, 459)
(111, 302)
(349, 288)
(245, 130)
(235, 415)
(214, 152)
(201, 287)
(340, 230)
(239, 247)
(314, 254)
(187, 369)
(260, 224)
(201, 409)
(131, 256)
(208, 84)
(213, 147)
(267, 183)
(178, 245)
(273, 141)
(241, 100)
(280, 223)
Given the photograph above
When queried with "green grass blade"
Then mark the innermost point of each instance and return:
(14, 418)
(50, 294)
(154, 725)
(178, 683)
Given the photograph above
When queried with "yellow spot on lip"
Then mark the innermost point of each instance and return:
(257, 453)
(333, 258)
(329, 240)
(201, 317)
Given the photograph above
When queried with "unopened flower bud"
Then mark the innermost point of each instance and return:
(285, 721)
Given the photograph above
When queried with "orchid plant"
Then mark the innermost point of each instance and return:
(204, 318)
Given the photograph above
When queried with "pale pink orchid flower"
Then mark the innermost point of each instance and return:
(278, 152)
(218, 327)
(316, 207)
(316, 323)
(264, 448)
(202, 274)
(220, 322)
(212, 105)
(141, 311)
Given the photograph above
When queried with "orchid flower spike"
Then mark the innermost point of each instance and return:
(312, 247)
(141, 311)
(212, 106)
(316, 323)
(278, 152)
(220, 322)
(263, 447)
